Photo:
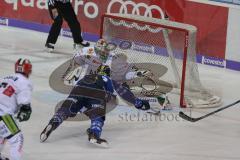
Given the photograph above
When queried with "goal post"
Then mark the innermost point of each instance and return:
(169, 44)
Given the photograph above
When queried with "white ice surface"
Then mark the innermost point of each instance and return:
(131, 138)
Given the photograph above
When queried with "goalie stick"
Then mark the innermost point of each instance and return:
(191, 119)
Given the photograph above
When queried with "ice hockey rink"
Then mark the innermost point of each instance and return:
(130, 137)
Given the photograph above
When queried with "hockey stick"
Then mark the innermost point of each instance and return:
(191, 119)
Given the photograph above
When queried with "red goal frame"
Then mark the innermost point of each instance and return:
(186, 45)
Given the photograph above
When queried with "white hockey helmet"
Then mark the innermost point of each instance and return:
(23, 66)
(101, 49)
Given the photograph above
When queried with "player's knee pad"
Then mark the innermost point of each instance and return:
(68, 108)
(96, 111)
(16, 146)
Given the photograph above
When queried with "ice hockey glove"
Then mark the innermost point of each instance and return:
(24, 112)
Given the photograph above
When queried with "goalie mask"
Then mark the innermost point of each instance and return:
(101, 49)
(23, 66)
(104, 70)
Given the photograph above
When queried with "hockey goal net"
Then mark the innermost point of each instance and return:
(164, 48)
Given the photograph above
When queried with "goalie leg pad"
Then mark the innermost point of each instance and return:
(95, 109)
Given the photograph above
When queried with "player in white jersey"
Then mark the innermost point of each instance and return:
(15, 99)
(90, 58)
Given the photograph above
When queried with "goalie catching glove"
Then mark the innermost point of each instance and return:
(24, 112)
(142, 104)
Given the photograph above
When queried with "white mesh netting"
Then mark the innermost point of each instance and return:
(149, 41)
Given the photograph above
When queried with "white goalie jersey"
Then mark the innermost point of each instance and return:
(15, 90)
(89, 61)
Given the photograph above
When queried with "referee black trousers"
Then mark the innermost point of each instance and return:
(66, 12)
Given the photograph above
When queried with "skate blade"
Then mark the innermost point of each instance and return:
(43, 136)
(49, 50)
(101, 145)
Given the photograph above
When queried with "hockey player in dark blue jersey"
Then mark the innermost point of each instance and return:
(90, 96)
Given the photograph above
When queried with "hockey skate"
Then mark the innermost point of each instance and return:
(84, 44)
(46, 132)
(49, 47)
(96, 141)
(79, 46)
